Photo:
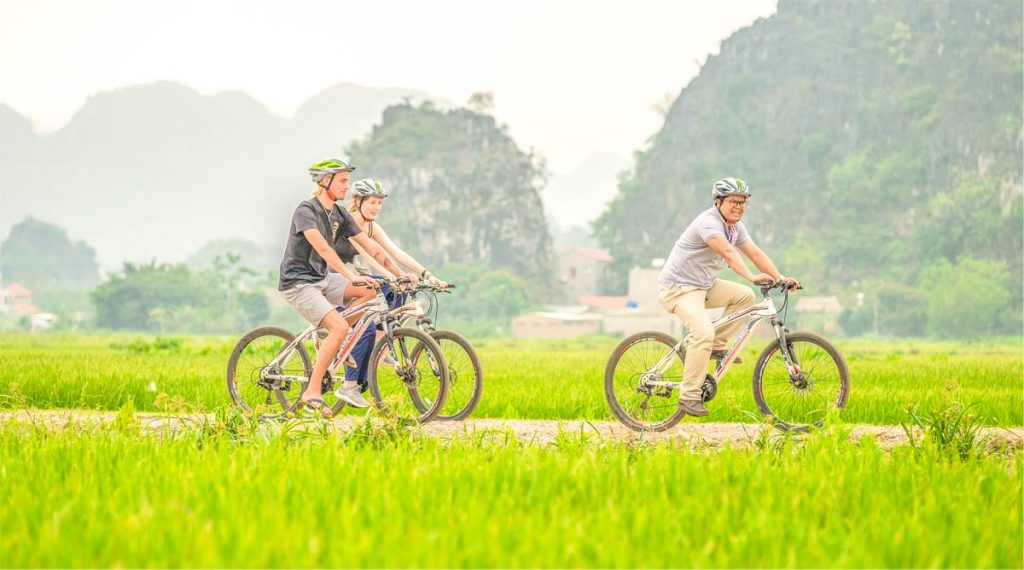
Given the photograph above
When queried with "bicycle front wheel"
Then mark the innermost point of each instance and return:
(465, 375)
(635, 402)
(413, 383)
(820, 382)
(255, 384)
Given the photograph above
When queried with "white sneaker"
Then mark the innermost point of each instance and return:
(352, 397)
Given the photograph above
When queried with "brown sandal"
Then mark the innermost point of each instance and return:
(316, 404)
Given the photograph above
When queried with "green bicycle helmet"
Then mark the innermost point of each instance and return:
(328, 166)
(369, 187)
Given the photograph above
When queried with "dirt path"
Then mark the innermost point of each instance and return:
(529, 431)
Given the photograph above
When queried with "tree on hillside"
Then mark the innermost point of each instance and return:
(462, 191)
(41, 257)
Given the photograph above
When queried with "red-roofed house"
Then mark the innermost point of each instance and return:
(581, 270)
(16, 299)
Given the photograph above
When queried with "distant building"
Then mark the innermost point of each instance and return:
(604, 302)
(16, 300)
(643, 287)
(819, 314)
(581, 270)
(555, 325)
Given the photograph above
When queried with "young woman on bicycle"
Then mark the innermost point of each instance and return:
(366, 203)
(367, 198)
(689, 283)
(310, 288)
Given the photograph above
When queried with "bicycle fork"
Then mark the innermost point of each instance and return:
(796, 376)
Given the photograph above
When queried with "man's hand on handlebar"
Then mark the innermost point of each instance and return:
(367, 282)
(791, 283)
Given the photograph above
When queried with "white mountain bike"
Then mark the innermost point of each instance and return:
(798, 378)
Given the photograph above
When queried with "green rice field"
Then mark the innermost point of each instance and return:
(526, 379)
(233, 492)
(227, 497)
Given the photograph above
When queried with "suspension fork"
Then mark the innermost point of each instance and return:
(792, 366)
(401, 356)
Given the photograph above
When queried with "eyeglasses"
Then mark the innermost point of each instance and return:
(736, 203)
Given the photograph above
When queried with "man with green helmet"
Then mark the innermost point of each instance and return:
(307, 283)
(689, 283)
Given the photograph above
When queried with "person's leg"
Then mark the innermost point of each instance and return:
(361, 355)
(337, 328)
(343, 293)
(310, 301)
(688, 305)
(395, 300)
(734, 297)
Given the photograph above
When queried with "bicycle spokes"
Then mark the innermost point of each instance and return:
(805, 392)
(641, 393)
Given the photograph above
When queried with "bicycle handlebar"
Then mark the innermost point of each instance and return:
(409, 284)
(783, 285)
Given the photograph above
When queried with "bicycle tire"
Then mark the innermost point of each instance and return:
(631, 380)
(810, 412)
(243, 392)
(464, 371)
(406, 394)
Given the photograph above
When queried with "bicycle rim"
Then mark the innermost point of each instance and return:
(823, 383)
(637, 406)
(465, 376)
(415, 389)
(250, 361)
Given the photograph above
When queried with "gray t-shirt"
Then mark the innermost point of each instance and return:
(692, 263)
(301, 263)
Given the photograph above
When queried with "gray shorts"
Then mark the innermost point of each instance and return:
(315, 300)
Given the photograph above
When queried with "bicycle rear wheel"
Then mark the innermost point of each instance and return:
(254, 384)
(415, 387)
(640, 406)
(796, 402)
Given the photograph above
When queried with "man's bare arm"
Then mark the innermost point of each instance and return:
(316, 239)
(723, 248)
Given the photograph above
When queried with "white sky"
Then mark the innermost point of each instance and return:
(570, 78)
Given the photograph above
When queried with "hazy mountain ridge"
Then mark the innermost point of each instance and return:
(158, 170)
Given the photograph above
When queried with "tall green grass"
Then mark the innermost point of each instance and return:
(549, 379)
(238, 495)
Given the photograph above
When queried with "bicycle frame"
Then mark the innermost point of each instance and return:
(757, 313)
(374, 311)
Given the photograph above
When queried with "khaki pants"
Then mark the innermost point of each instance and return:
(690, 304)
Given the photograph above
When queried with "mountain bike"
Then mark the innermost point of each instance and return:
(466, 381)
(798, 378)
(269, 366)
